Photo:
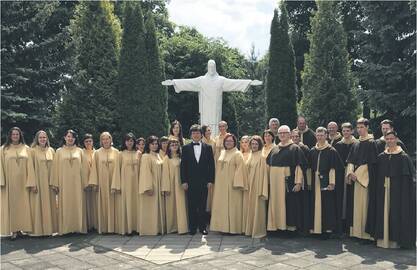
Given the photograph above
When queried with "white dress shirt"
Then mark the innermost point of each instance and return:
(197, 151)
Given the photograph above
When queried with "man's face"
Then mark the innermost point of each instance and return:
(301, 123)
(362, 129)
(391, 140)
(196, 136)
(347, 132)
(284, 136)
(274, 126)
(385, 128)
(332, 128)
(295, 137)
(321, 137)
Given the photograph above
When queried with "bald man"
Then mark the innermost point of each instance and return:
(334, 134)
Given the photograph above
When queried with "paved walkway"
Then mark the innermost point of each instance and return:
(199, 252)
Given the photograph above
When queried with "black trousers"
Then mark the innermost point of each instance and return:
(197, 204)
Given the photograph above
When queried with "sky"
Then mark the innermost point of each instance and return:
(239, 22)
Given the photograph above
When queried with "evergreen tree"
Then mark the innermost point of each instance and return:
(327, 81)
(280, 82)
(132, 85)
(156, 97)
(89, 104)
(34, 62)
(388, 64)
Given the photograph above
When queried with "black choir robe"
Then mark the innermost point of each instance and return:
(308, 137)
(396, 174)
(325, 162)
(285, 206)
(343, 195)
(337, 138)
(363, 152)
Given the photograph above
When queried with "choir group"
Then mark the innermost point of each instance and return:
(299, 181)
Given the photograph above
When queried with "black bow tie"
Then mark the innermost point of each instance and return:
(195, 143)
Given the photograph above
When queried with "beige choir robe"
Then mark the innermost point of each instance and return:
(69, 175)
(230, 184)
(91, 195)
(126, 179)
(44, 202)
(17, 176)
(162, 154)
(151, 207)
(212, 143)
(218, 146)
(108, 200)
(175, 200)
(257, 195)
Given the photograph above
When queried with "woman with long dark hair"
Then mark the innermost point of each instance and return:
(175, 132)
(17, 181)
(126, 176)
(69, 180)
(151, 214)
(175, 200)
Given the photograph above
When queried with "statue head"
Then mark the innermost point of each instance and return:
(211, 68)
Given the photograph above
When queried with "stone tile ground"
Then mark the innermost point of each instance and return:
(214, 251)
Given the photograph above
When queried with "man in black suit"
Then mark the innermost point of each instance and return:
(197, 176)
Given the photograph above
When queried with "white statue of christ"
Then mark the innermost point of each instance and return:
(210, 88)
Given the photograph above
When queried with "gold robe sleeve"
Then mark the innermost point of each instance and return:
(240, 179)
(298, 175)
(30, 170)
(332, 177)
(145, 176)
(362, 175)
(93, 178)
(263, 181)
(54, 180)
(85, 169)
(166, 179)
(2, 176)
(116, 181)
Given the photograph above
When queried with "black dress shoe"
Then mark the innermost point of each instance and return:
(204, 232)
(192, 232)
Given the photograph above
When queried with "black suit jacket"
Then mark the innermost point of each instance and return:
(193, 173)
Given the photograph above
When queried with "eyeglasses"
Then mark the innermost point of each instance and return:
(283, 133)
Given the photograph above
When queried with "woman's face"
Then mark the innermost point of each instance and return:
(268, 138)
(174, 146)
(176, 130)
(164, 146)
(140, 146)
(222, 128)
(153, 146)
(229, 143)
(69, 139)
(244, 145)
(15, 136)
(88, 143)
(42, 139)
(106, 142)
(129, 144)
(254, 145)
(208, 133)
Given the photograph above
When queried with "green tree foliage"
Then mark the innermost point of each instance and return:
(89, 104)
(132, 82)
(280, 81)
(327, 80)
(156, 98)
(34, 62)
(388, 64)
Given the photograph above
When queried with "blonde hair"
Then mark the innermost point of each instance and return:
(103, 134)
(247, 138)
(36, 139)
